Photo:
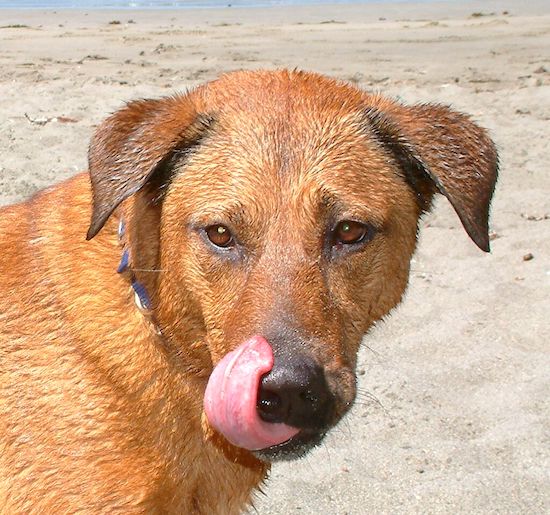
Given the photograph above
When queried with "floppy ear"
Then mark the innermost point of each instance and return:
(132, 144)
(440, 149)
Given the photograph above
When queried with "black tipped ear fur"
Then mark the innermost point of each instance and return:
(438, 148)
(133, 143)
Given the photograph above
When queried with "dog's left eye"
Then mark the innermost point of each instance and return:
(349, 232)
(220, 236)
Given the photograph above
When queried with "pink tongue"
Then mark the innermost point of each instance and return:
(232, 393)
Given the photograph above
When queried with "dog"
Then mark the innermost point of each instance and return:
(244, 237)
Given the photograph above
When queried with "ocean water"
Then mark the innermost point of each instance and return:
(168, 4)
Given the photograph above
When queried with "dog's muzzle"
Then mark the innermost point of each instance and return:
(274, 409)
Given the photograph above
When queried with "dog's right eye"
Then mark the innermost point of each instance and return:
(220, 236)
(350, 232)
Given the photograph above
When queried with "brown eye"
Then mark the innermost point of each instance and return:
(348, 232)
(220, 236)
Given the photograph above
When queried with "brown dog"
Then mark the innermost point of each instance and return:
(265, 221)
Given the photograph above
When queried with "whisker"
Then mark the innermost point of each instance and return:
(344, 429)
(370, 398)
(367, 396)
(375, 352)
(348, 425)
(327, 451)
(307, 461)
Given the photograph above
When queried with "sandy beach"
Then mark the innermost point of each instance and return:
(454, 412)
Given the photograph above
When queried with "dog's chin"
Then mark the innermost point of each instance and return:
(293, 449)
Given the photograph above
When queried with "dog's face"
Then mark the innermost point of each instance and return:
(285, 208)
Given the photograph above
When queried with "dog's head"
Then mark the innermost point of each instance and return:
(282, 210)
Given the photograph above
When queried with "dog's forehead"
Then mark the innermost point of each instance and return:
(285, 124)
(277, 92)
(287, 138)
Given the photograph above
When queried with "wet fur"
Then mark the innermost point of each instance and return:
(100, 414)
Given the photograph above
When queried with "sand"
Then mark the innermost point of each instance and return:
(454, 411)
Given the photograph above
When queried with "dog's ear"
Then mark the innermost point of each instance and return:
(439, 149)
(132, 144)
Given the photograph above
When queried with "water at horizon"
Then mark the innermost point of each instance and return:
(171, 4)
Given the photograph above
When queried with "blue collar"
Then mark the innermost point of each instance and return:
(141, 297)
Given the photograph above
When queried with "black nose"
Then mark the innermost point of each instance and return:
(295, 392)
